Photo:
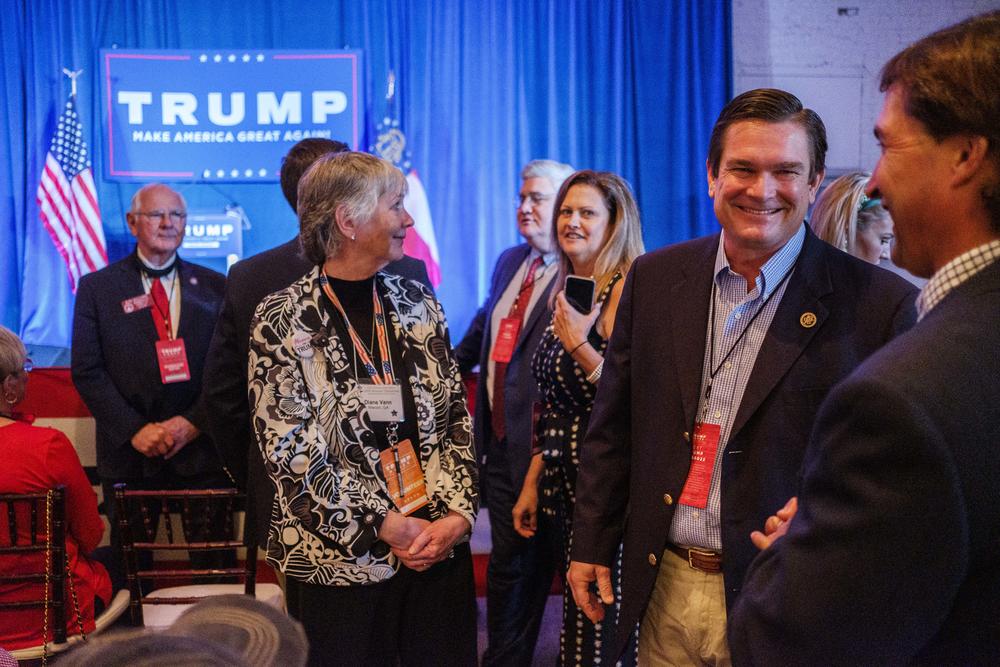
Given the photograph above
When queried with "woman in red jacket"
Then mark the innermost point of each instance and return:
(37, 459)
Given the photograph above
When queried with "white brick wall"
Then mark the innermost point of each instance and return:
(832, 61)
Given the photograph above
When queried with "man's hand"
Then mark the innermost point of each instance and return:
(182, 431)
(580, 577)
(152, 440)
(776, 525)
(435, 542)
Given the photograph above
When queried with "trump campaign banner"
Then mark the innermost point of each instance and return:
(223, 115)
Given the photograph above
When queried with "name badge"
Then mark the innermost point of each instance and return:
(172, 357)
(140, 302)
(704, 446)
(384, 402)
(503, 347)
(405, 478)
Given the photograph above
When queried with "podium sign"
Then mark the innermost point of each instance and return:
(223, 115)
(214, 234)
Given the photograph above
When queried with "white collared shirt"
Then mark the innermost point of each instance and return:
(171, 285)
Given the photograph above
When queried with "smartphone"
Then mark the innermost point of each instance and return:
(580, 293)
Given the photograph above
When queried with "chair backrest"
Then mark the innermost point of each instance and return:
(35, 523)
(208, 524)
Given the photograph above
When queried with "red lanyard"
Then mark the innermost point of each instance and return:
(359, 345)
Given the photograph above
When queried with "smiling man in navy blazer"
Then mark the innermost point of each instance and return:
(141, 329)
(519, 574)
(722, 351)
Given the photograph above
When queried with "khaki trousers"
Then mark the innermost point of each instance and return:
(685, 621)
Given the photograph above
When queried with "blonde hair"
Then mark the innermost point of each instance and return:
(837, 216)
(353, 180)
(12, 353)
(625, 241)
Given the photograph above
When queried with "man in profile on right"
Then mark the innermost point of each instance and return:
(893, 554)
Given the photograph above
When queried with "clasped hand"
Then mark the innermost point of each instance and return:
(419, 543)
(164, 438)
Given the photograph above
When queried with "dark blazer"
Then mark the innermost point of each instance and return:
(114, 366)
(250, 280)
(520, 388)
(894, 555)
(635, 458)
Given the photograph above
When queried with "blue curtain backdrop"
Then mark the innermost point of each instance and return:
(483, 87)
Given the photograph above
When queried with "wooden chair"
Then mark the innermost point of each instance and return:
(43, 514)
(208, 524)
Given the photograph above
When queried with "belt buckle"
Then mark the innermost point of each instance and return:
(697, 552)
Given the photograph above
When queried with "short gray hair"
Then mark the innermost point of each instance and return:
(12, 353)
(556, 172)
(353, 180)
(133, 206)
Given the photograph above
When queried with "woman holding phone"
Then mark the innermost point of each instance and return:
(599, 235)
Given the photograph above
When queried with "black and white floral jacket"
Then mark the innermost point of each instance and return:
(316, 437)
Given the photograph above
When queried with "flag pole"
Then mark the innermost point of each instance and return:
(72, 78)
(390, 91)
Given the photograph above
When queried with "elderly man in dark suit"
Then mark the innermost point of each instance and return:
(894, 554)
(141, 330)
(250, 280)
(501, 341)
(723, 348)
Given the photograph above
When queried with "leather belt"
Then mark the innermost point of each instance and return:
(699, 559)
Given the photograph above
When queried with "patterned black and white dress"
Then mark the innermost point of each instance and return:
(567, 400)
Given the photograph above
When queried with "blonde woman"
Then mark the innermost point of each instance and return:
(599, 235)
(846, 218)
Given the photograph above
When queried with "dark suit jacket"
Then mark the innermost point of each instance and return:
(250, 280)
(520, 388)
(894, 555)
(635, 458)
(114, 366)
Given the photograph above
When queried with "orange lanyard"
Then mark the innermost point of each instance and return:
(359, 345)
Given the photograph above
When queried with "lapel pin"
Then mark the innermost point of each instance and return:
(807, 320)
(194, 280)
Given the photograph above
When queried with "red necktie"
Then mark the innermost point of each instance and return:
(160, 310)
(517, 311)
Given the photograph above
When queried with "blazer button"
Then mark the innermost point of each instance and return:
(687, 436)
(652, 559)
(668, 499)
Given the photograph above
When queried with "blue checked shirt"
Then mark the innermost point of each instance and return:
(734, 307)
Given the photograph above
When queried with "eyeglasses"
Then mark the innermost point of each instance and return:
(536, 198)
(29, 365)
(157, 216)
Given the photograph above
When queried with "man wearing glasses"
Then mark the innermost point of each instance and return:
(141, 330)
(501, 341)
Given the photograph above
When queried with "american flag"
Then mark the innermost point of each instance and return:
(67, 200)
